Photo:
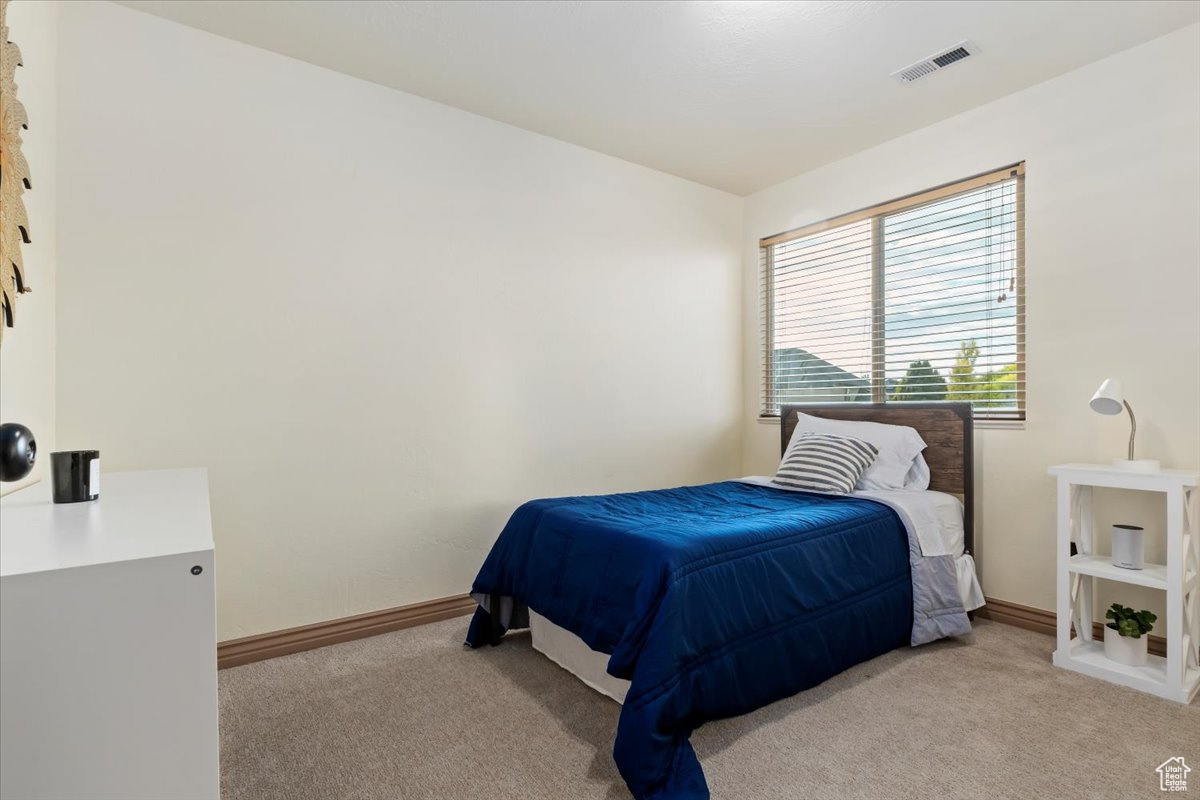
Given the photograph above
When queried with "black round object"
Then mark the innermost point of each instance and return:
(196, 570)
(18, 450)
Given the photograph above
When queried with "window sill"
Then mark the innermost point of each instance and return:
(1001, 424)
(980, 424)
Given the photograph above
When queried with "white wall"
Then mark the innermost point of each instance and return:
(1112, 193)
(380, 322)
(27, 353)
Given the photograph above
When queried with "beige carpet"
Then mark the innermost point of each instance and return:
(413, 715)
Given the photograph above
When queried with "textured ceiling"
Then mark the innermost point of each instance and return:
(736, 95)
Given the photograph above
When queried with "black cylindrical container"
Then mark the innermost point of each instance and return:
(75, 475)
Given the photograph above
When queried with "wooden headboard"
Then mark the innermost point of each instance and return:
(945, 427)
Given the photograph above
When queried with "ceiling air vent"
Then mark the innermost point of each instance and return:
(928, 66)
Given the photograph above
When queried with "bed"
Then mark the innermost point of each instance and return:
(703, 602)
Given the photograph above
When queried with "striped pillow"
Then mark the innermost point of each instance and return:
(824, 462)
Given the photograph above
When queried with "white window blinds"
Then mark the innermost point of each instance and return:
(917, 299)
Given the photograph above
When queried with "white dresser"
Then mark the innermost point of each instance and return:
(108, 678)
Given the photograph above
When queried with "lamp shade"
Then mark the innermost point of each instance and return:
(1108, 399)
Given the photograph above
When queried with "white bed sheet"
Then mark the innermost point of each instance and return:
(935, 517)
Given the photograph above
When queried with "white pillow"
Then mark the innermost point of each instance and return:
(898, 447)
(918, 475)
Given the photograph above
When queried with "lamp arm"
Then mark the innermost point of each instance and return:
(1132, 427)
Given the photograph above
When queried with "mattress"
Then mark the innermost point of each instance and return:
(936, 518)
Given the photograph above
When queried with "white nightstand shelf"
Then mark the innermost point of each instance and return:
(1153, 575)
(1089, 658)
(1177, 676)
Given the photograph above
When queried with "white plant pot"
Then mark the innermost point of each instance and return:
(1127, 547)
(1125, 649)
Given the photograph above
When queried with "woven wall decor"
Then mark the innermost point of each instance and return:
(14, 178)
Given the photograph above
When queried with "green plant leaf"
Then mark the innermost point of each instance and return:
(1128, 622)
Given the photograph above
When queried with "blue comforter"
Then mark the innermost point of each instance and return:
(713, 600)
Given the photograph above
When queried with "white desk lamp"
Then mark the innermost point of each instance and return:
(1109, 399)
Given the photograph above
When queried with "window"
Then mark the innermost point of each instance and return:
(917, 299)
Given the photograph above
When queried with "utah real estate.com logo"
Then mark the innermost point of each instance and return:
(1172, 775)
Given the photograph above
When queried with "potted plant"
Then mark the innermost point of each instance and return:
(1128, 645)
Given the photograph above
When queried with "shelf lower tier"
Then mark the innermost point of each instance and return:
(1088, 658)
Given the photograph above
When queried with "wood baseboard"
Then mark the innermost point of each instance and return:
(1041, 621)
(259, 647)
(262, 646)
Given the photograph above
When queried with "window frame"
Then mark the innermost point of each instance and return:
(769, 408)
